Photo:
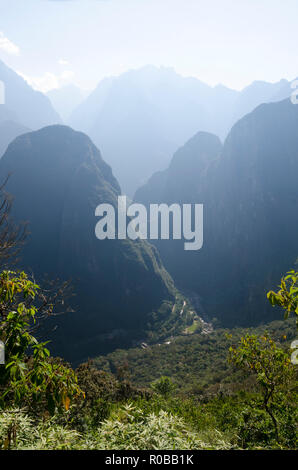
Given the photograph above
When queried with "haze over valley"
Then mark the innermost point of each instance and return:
(193, 112)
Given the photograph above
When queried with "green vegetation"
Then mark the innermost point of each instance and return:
(172, 319)
(128, 429)
(274, 373)
(197, 364)
(287, 296)
(35, 379)
(253, 407)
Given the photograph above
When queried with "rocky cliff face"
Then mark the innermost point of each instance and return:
(58, 179)
(250, 194)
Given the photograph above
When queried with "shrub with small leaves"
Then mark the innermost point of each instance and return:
(30, 376)
(287, 296)
(274, 372)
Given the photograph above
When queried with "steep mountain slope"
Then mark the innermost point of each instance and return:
(122, 289)
(31, 108)
(154, 110)
(250, 196)
(9, 130)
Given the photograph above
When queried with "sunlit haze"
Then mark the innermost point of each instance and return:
(57, 42)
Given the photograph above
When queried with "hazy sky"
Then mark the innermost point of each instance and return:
(55, 42)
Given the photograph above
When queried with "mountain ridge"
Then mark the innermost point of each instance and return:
(31, 108)
(153, 111)
(243, 191)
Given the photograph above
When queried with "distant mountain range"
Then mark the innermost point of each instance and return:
(141, 117)
(138, 119)
(249, 190)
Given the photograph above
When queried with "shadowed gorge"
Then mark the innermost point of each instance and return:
(249, 192)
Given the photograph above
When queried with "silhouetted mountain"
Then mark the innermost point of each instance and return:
(58, 179)
(250, 197)
(9, 130)
(141, 117)
(30, 108)
(66, 99)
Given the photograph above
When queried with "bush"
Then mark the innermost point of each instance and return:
(30, 376)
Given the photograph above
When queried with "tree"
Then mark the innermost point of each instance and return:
(287, 296)
(164, 386)
(30, 376)
(273, 370)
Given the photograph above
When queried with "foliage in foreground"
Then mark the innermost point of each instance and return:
(287, 295)
(29, 377)
(275, 374)
(129, 429)
(92, 409)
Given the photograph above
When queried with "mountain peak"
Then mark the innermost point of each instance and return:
(32, 108)
(202, 148)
